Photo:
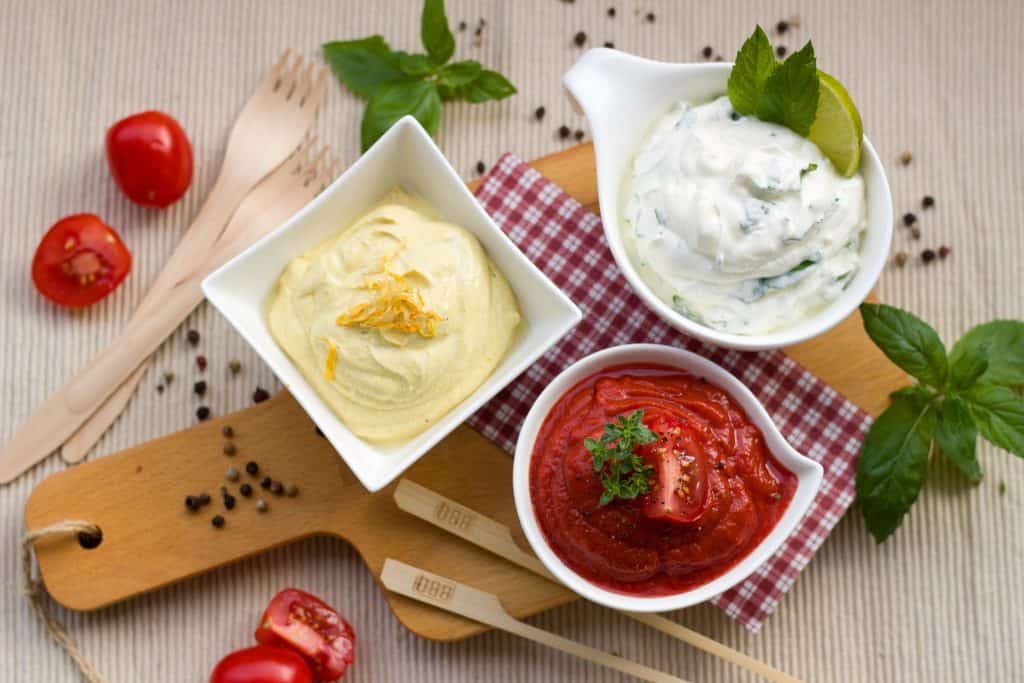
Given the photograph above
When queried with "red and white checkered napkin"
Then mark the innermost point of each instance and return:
(567, 242)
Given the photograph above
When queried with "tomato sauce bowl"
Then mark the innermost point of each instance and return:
(725, 489)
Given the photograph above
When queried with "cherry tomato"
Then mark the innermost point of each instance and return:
(680, 489)
(262, 664)
(150, 158)
(309, 626)
(79, 261)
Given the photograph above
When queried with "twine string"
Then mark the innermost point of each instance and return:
(35, 591)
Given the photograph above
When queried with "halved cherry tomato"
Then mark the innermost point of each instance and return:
(79, 261)
(309, 626)
(262, 664)
(150, 158)
(680, 490)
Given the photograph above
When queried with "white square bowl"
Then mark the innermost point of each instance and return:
(404, 157)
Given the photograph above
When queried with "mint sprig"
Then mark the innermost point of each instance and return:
(781, 92)
(623, 472)
(972, 390)
(397, 83)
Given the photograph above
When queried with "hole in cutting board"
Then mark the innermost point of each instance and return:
(90, 541)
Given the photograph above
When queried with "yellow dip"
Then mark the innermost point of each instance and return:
(395, 320)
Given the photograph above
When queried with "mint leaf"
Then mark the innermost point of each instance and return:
(971, 365)
(957, 437)
(415, 65)
(459, 73)
(489, 85)
(998, 413)
(1005, 341)
(790, 95)
(908, 341)
(364, 65)
(390, 103)
(755, 62)
(434, 32)
(891, 466)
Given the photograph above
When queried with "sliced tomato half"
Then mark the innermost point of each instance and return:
(306, 624)
(680, 491)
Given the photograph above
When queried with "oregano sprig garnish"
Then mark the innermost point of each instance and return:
(974, 389)
(623, 472)
(396, 83)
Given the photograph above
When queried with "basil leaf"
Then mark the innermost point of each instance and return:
(415, 65)
(790, 95)
(998, 414)
(1005, 340)
(755, 62)
(364, 65)
(971, 365)
(489, 85)
(891, 466)
(389, 104)
(434, 32)
(908, 341)
(957, 437)
(459, 73)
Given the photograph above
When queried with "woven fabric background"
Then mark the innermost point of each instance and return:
(939, 602)
(567, 242)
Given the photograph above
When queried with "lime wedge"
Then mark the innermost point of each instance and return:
(837, 130)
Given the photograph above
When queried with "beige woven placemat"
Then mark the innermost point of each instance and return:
(940, 602)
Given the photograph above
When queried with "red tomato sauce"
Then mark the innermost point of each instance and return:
(715, 494)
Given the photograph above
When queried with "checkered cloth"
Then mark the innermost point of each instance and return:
(567, 243)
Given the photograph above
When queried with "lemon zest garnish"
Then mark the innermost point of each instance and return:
(397, 305)
(332, 359)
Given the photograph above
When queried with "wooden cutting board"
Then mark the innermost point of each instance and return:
(151, 540)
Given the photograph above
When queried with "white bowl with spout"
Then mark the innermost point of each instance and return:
(622, 97)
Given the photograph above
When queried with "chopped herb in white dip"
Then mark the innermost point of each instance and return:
(742, 225)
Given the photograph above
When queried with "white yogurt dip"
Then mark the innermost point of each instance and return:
(739, 224)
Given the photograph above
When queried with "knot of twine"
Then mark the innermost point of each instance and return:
(35, 591)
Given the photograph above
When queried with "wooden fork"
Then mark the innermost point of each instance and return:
(270, 126)
(278, 197)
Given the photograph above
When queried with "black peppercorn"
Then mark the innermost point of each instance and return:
(564, 132)
(578, 135)
(539, 112)
(265, 483)
(245, 490)
(650, 17)
(217, 521)
(202, 413)
(277, 488)
(782, 26)
(192, 503)
(260, 395)
(901, 258)
(928, 255)
(609, 44)
(944, 251)
(252, 468)
(909, 219)
(199, 388)
(204, 498)
(928, 202)
(580, 38)
(707, 52)
(159, 388)
(462, 26)
(229, 501)
(480, 167)
(193, 337)
(227, 431)
(735, 116)
(201, 363)
(229, 448)
(611, 11)
(780, 50)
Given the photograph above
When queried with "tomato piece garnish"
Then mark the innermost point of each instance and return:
(308, 625)
(79, 261)
(680, 490)
(262, 664)
(150, 158)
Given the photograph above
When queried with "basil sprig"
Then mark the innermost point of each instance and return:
(974, 389)
(396, 83)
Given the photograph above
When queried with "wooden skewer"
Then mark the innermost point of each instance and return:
(495, 537)
(477, 605)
